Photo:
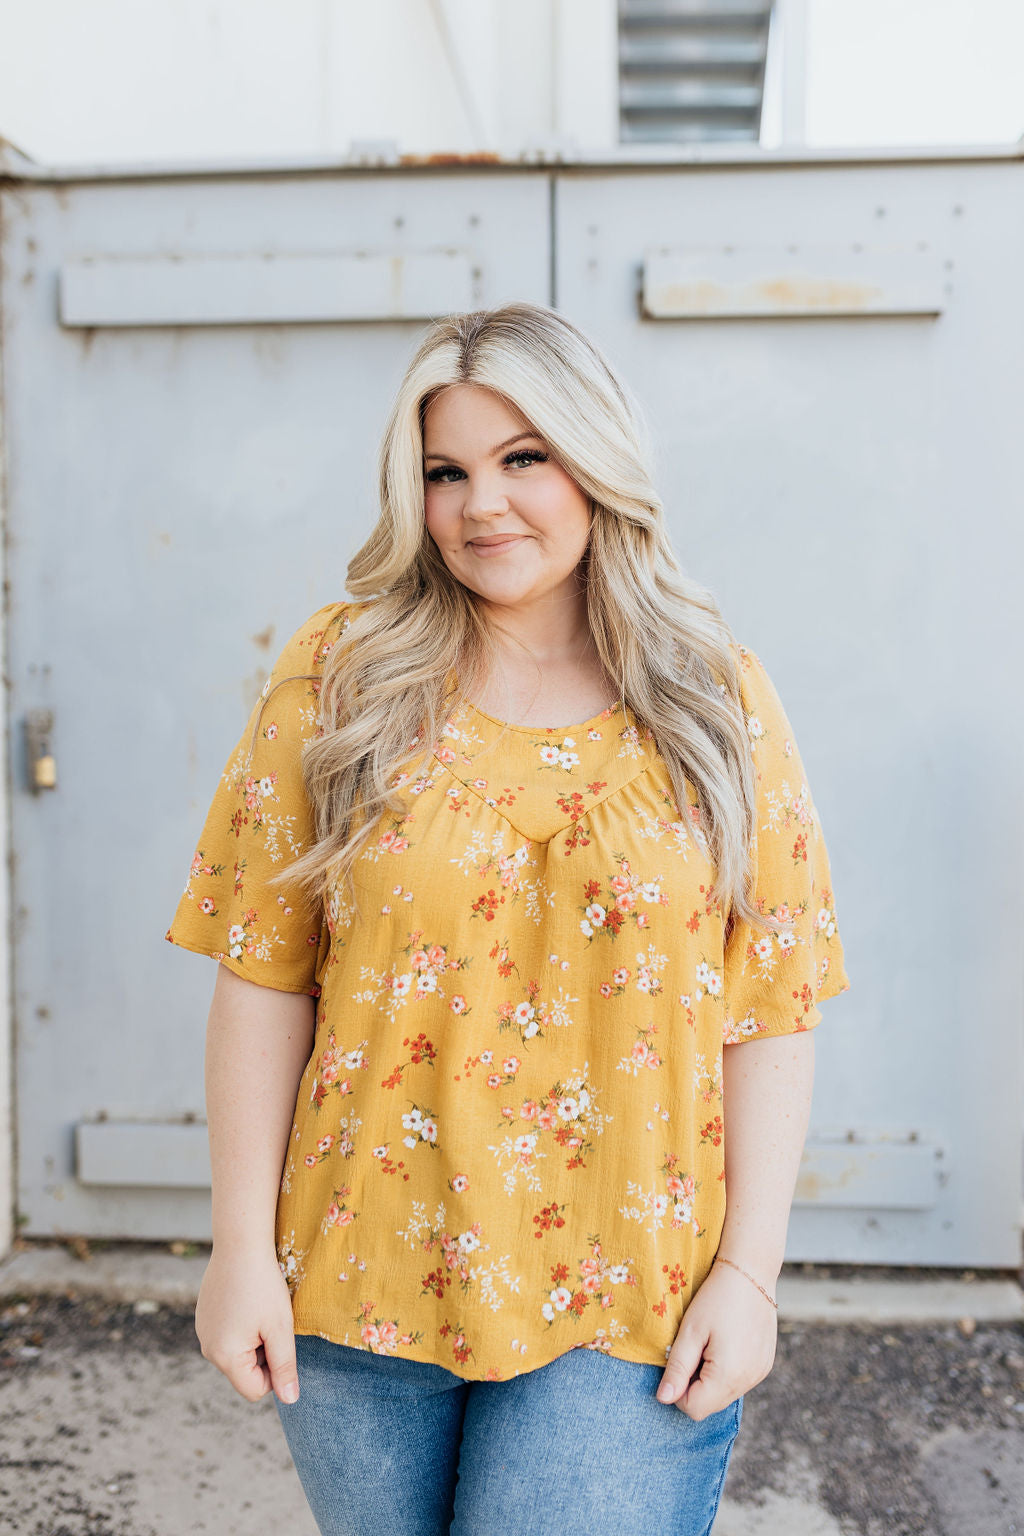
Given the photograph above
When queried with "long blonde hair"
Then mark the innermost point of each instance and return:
(385, 683)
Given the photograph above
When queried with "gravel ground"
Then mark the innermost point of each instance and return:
(112, 1424)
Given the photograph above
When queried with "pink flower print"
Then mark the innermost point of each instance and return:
(325, 1143)
(460, 1183)
(510, 1066)
(625, 901)
(393, 842)
(529, 1110)
(458, 1003)
(494, 1081)
(310, 1159)
(546, 1118)
(206, 905)
(418, 960)
(197, 863)
(271, 731)
(620, 976)
(619, 883)
(436, 954)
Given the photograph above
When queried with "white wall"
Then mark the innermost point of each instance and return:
(201, 80)
(116, 80)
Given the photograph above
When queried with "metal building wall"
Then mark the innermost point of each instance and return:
(196, 369)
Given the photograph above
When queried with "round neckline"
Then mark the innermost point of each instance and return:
(605, 714)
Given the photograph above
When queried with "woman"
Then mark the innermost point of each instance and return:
(498, 1203)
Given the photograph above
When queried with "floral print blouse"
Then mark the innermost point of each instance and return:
(508, 1140)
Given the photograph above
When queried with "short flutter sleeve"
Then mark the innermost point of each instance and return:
(259, 821)
(773, 982)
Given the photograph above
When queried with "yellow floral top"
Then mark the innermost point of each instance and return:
(508, 1139)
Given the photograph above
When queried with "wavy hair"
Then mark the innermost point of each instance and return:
(386, 683)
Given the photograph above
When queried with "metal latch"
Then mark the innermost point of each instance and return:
(42, 763)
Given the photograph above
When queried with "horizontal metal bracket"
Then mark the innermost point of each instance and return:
(714, 282)
(265, 289)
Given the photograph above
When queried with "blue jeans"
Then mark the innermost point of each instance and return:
(391, 1447)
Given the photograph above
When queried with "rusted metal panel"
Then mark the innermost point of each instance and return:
(180, 497)
(851, 494)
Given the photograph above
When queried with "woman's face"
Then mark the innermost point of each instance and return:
(509, 522)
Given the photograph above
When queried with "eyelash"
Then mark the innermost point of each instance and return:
(533, 454)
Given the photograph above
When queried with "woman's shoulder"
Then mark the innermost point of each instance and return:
(307, 647)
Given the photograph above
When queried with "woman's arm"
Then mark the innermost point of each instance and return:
(258, 1042)
(729, 1330)
(767, 1104)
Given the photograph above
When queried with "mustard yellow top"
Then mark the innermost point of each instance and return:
(508, 1139)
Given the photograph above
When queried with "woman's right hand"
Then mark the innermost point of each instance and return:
(244, 1323)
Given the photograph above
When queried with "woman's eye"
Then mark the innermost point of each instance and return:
(530, 455)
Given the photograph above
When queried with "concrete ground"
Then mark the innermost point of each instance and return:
(904, 1418)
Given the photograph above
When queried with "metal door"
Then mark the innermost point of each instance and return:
(196, 376)
(831, 357)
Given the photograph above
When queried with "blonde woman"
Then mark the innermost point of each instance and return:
(523, 916)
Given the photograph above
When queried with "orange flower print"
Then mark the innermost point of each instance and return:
(643, 1056)
(336, 1212)
(334, 1070)
(595, 1282)
(382, 1335)
(675, 1204)
(624, 899)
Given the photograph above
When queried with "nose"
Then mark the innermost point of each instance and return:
(485, 497)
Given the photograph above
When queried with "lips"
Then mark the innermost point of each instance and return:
(494, 540)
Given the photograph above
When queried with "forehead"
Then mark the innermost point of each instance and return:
(471, 413)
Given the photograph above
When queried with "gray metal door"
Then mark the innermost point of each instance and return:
(832, 359)
(197, 372)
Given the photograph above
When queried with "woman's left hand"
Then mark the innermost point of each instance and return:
(728, 1333)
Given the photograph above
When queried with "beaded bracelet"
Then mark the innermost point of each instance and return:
(720, 1259)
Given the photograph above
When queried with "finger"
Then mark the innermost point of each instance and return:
(681, 1366)
(279, 1348)
(703, 1397)
(249, 1376)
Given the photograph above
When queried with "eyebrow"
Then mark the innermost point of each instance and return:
(449, 457)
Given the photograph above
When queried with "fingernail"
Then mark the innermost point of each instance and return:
(665, 1393)
(290, 1393)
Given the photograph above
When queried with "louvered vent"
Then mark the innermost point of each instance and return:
(690, 70)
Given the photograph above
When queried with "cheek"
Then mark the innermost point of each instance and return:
(561, 511)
